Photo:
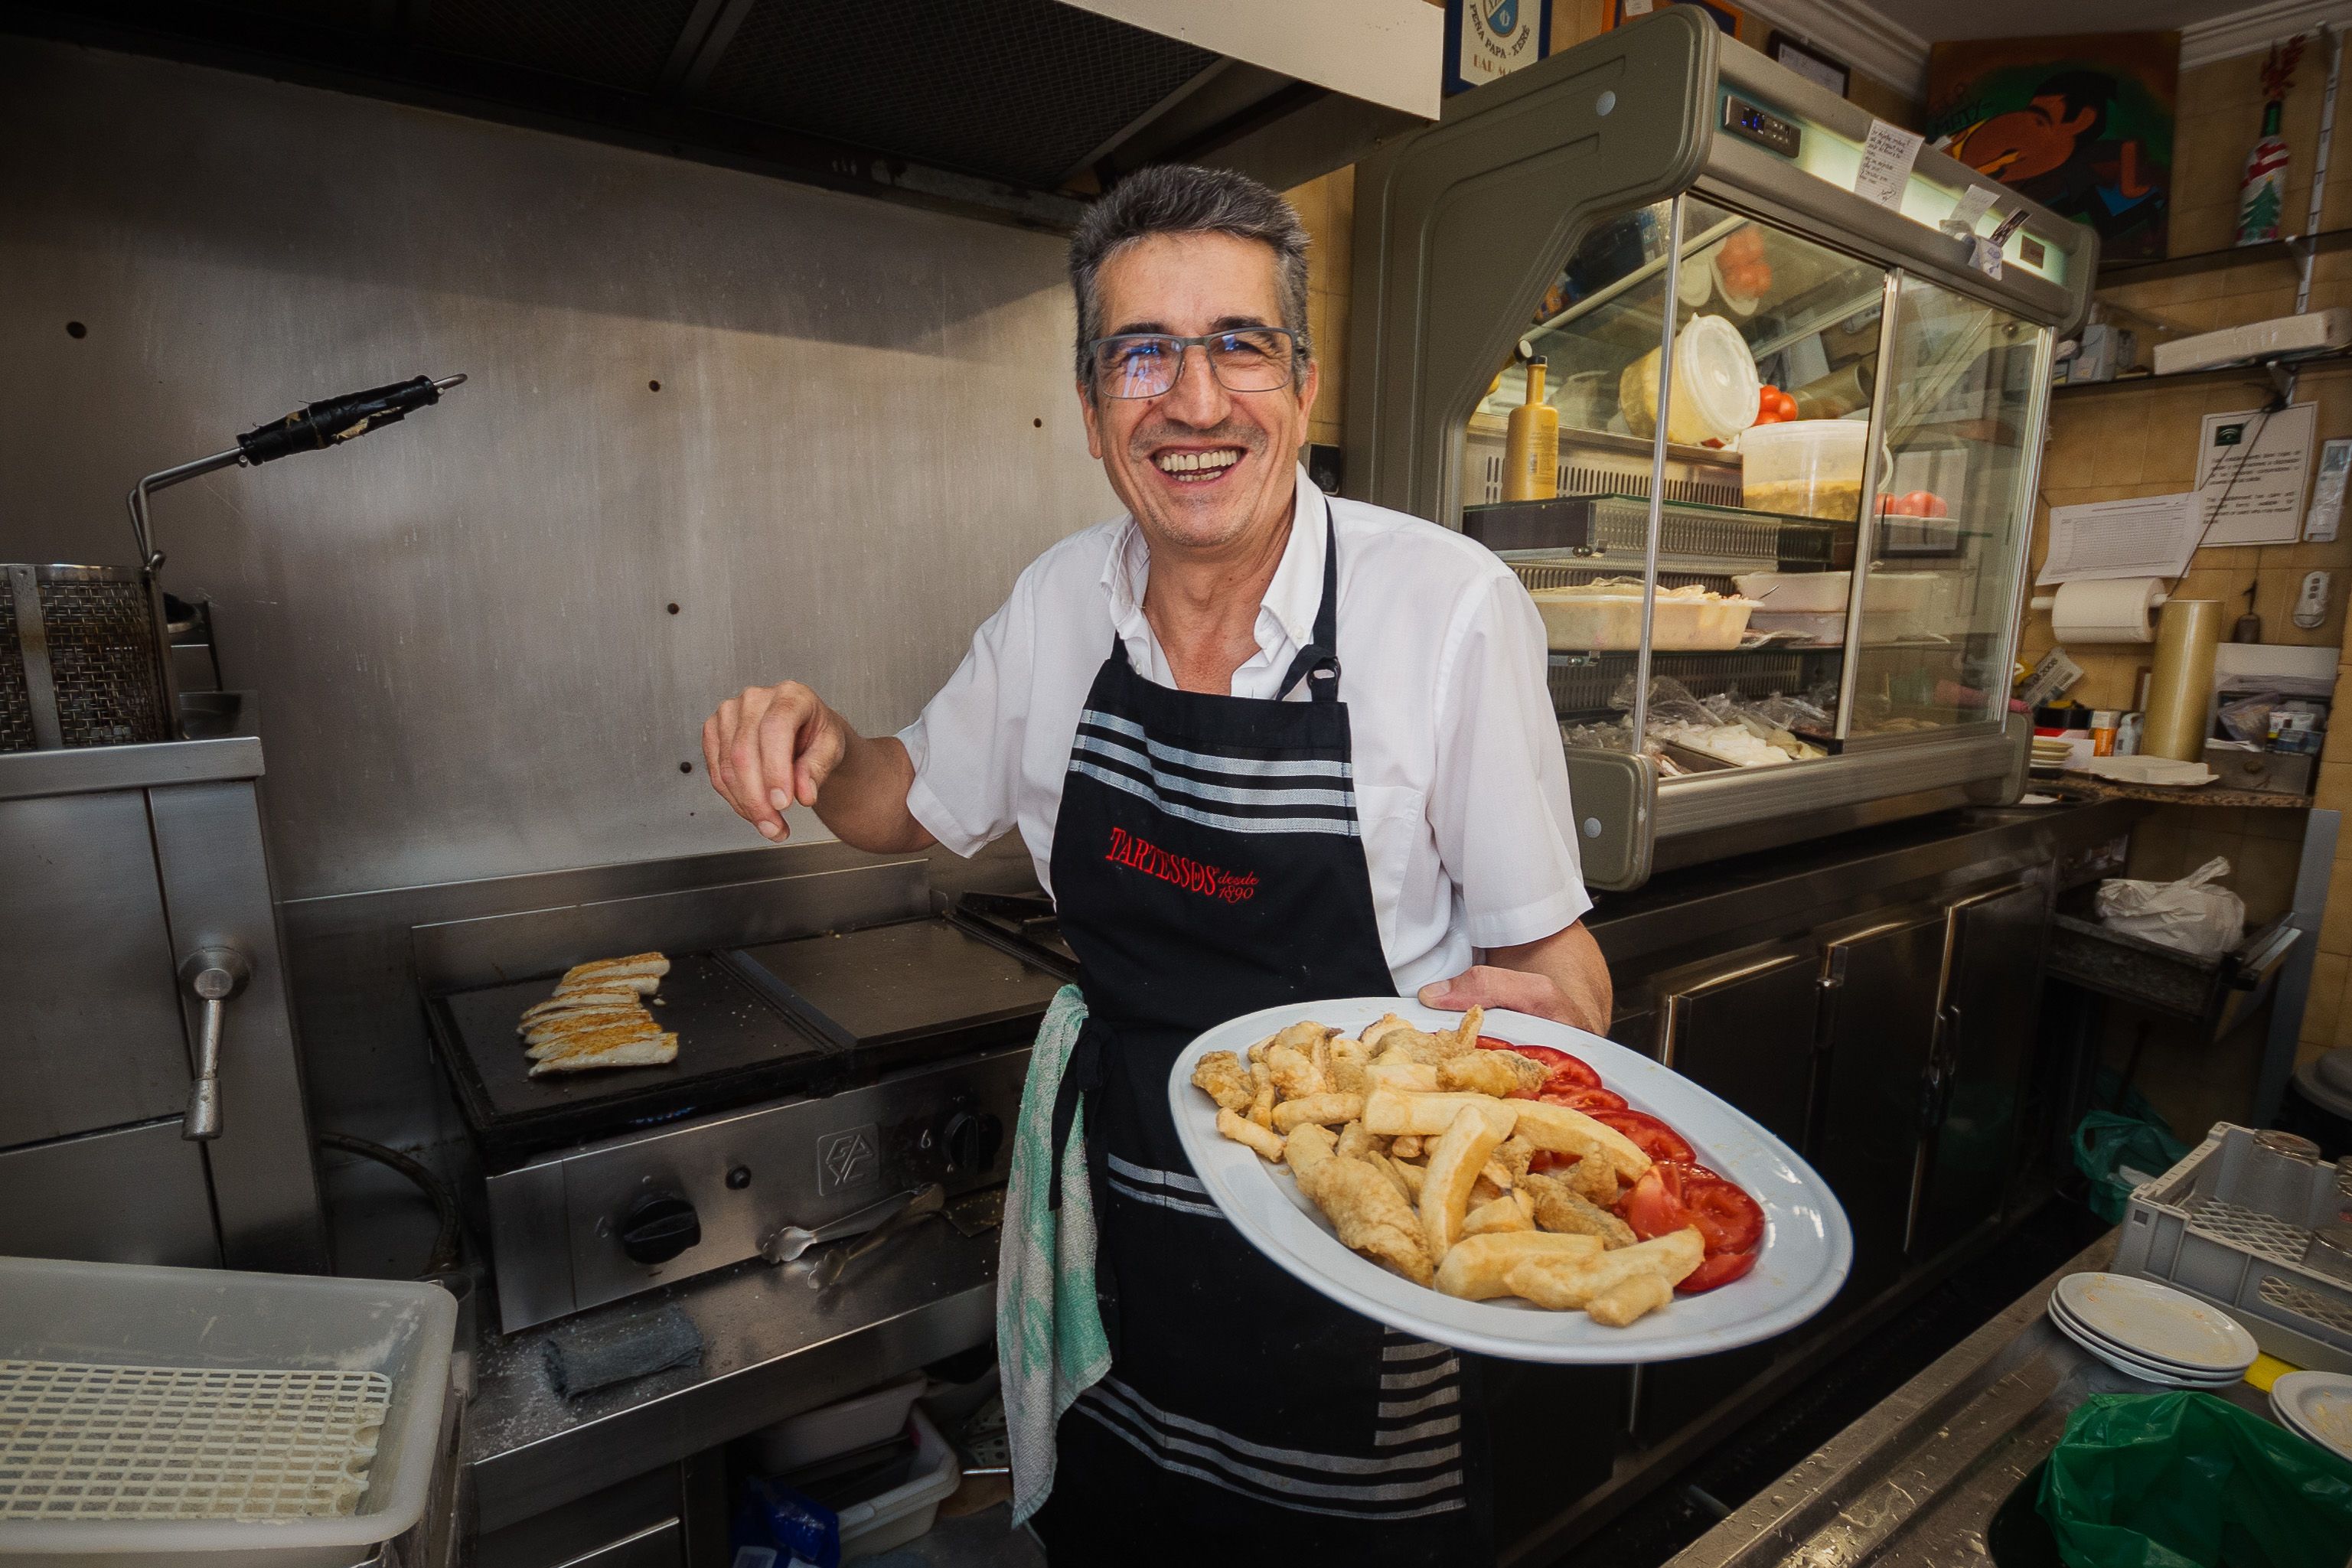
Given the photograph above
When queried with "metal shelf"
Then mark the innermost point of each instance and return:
(2114, 274)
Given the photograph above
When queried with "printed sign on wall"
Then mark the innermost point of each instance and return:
(1486, 40)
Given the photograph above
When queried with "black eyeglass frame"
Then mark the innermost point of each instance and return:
(1183, 355)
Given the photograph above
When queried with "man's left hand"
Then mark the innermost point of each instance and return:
(1562, 977)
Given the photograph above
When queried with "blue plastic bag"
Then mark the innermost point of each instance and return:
(796, 1527)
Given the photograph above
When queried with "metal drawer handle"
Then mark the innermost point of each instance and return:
(212, 976)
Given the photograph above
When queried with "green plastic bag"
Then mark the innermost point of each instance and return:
(2187, 1480)
(2133, 1136)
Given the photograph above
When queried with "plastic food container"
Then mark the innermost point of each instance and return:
(873, 1416)
(1805, 468)
(908, 1511)
(214, 1320)
(1607, 617)
(1715, 390)
(1788, 592)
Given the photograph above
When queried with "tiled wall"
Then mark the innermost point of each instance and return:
(2141, 440)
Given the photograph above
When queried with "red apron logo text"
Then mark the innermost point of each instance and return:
(1149, 858)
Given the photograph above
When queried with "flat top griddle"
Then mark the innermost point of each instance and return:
(894, 983)
(808, 1016)
(733, 1046)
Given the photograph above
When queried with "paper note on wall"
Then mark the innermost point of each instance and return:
(2252, 470)
(2146, 536)
(1888, 155)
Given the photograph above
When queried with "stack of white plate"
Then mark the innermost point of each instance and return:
(2316, 1406)
(2152, 1332)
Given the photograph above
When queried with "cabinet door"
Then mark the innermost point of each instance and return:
(1990, 1005)
(1878, 1031)
(1746, 1032)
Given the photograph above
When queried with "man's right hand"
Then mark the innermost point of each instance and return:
(776, 747)
(770, 748)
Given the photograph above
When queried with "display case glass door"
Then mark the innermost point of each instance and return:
(1962, 416)
(1775, 438)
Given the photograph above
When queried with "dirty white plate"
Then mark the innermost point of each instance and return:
(2132, 1366)
(1807, 1246)
(2317, 1405)
(2158, 1324)
(2145, 769)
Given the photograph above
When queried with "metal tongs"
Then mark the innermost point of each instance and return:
(879, 1221)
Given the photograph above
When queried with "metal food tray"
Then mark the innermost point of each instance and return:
(2229, 1223)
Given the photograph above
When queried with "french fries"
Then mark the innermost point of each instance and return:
(1563, 1283)
(1419, 1151)
(1477, 1268)
(1453, 1167)
(1331, 1110)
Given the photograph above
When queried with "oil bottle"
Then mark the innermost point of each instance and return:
(1531, 444)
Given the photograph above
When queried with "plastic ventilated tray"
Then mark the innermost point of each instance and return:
(2229, 1223)
(151, 1416)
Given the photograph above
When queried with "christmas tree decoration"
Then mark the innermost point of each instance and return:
(2262, 191)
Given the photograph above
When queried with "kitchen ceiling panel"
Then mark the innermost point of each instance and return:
(615, 43)
(1021, 90)
(1940, 20)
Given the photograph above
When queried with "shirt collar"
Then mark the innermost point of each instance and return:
(1292, 598)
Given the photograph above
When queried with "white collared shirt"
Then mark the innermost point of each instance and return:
(1461, 788)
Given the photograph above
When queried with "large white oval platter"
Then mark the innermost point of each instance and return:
(1808, 1247)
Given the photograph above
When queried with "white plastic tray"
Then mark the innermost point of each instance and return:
(1808, 1247)
(113, 1314)
(906, 1510)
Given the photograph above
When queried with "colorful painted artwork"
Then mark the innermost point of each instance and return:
(2082, 125)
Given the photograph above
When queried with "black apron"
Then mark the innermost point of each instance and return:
(1207, 864)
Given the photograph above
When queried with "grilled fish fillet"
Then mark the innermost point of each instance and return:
(594, 1040)
(642, 1054)
(633, 971)
(578, 1001)
(563, 1024)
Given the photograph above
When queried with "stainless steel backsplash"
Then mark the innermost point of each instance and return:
(459, 626)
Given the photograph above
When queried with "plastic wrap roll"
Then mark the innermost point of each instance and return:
(2113, 612)
(2181, 684)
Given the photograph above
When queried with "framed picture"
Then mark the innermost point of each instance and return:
(1809, 62)
(1485, 40)
(2082, 124)
(1727, 16)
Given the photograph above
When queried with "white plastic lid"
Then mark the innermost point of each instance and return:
(1715, 376)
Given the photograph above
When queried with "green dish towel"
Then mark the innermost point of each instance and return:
(1050, 1344)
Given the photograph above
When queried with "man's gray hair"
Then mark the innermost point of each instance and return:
(1177, 199)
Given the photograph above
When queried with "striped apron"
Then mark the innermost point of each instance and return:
(1207, 863)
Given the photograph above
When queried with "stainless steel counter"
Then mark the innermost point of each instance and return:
(773, 1347)
(1916, 1481)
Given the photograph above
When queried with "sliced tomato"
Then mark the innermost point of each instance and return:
(1716, 1269)
(1585, 1100)
(1649, 1135)
(1724, 1215)
(1654, 1206)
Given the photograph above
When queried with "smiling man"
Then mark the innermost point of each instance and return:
(1265, 748)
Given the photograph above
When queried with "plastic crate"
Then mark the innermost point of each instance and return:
(2229, 1223)
(907, 1511)
(873, 1416)
(238, 1330)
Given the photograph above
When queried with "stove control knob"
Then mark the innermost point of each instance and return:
(658, 1227)
(973, 1137)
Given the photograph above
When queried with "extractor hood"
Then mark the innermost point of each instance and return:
(1016, 107)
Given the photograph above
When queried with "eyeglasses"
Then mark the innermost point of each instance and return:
(1146, 364)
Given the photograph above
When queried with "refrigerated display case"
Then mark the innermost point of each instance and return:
(1798, 431)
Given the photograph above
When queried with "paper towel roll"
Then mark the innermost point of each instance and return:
(2181, 684)
(2112, 611)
